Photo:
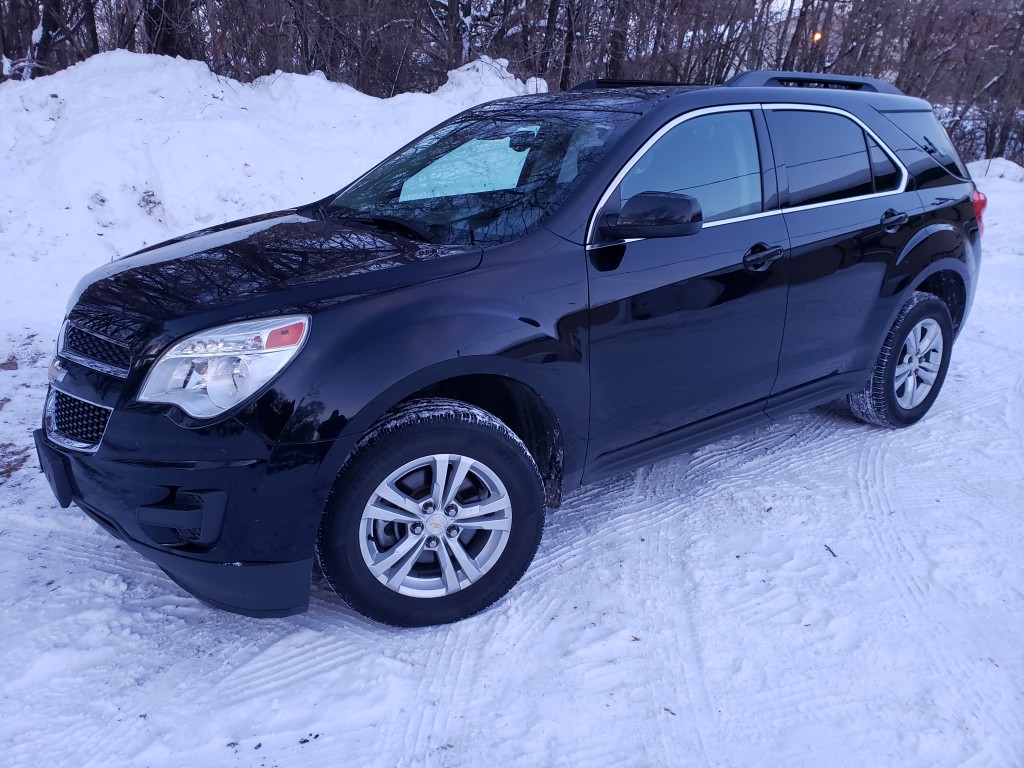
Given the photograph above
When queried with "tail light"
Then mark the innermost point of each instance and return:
(979, 201)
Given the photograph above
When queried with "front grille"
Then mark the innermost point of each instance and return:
(78, 422)
(88, 348)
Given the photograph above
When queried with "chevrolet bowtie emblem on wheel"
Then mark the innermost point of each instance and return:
(57, 371)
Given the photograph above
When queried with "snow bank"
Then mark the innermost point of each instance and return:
(479, 78)
(996, 168)
(124, 150)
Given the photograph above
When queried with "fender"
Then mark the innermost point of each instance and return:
(506, 318)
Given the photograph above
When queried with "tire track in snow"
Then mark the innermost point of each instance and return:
(234, 678)
(126, 738)
(678, 701)
(903, 561)
(69, 553)
(589, 544)
(427, 714)
(741, 466)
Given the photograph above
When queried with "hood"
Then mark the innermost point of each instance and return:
(265, 265)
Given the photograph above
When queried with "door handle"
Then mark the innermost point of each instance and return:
(892, 220)
(761, 256)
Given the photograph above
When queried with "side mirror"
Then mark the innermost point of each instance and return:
(654, 214)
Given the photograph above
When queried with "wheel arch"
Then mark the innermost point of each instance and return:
(949, 285)
(486, 383)
(522, 410)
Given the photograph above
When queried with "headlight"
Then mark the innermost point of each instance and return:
(210, 372)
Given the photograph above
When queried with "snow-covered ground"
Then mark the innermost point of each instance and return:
(816, 593)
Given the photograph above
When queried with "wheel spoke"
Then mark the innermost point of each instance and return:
(449, 575)
(931, 334)
(399, 499)
(902, 371)
(910, 345)
(463, 558)
(489, 507)
(398, 577)
(396, 553)
(378, 511)
(926, 377)
(909, 388)
(921, 390)
(487, 524)
(462, 466)
(437, 490)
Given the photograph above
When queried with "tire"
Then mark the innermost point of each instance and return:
(911, 365)
(401, 549)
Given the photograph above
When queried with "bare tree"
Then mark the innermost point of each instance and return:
(964, 55)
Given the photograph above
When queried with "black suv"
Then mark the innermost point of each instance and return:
(541, 292)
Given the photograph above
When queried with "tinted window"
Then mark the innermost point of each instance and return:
(930, 136)
(885, 173)
(826, 158)
(713, 158)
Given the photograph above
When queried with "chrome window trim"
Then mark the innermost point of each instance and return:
(59, 438)
(591, 239)
(905, 174)
(88, 362)
(749, 216)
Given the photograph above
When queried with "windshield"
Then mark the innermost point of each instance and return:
(485, 178)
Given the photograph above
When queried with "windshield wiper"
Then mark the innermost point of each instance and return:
(407, 228)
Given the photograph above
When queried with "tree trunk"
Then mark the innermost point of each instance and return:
(41, 53)
(547, 47)
(571, 10)
(798, 42)
(89, 23)
(125, 22)
(617, 40)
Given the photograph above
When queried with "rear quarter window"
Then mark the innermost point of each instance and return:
(927, 132)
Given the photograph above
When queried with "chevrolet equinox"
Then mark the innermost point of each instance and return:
(399, 380)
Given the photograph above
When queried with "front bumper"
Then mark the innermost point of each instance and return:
(238, 535)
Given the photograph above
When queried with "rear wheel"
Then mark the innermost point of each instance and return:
(911, 365)
(437, 515)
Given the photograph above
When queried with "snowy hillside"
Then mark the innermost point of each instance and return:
(819, 592)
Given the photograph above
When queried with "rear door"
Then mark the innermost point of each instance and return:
(682, 329)
(849, 219)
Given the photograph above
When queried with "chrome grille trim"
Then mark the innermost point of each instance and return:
(51, 418)
(118, 354)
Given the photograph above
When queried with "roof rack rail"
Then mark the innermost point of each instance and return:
(590, 85)
(762, 78)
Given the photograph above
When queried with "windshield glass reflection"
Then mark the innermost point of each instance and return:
(485, 178)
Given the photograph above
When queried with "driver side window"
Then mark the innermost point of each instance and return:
(712, 158)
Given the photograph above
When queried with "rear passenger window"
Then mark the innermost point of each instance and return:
(825, 155)
(712, 158)
(886, 176)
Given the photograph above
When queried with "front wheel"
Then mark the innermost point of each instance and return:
(436, 516)
(911, 365)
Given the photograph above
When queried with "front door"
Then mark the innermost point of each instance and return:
(686, 328)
